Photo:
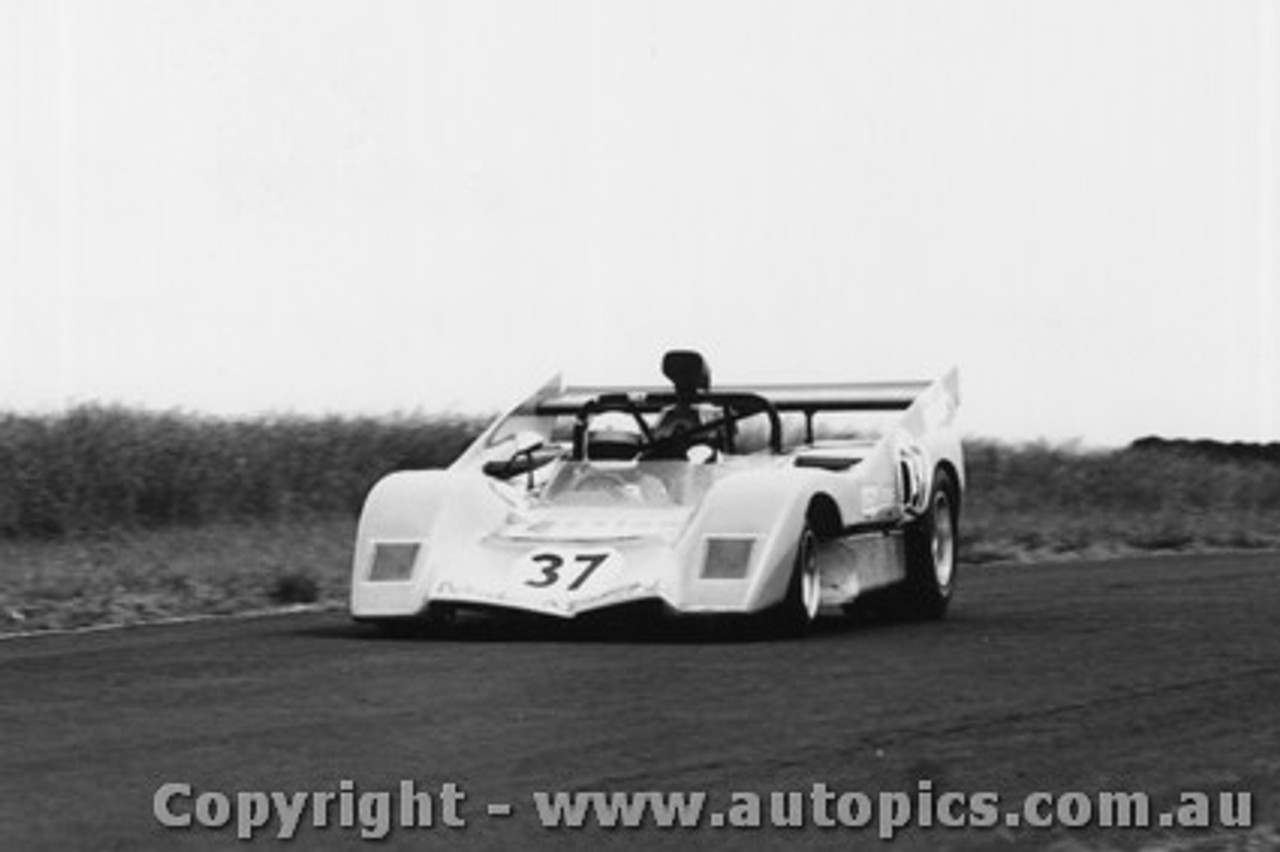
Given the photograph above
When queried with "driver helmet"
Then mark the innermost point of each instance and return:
(613, 437)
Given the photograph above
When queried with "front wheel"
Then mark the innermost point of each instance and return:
(799, 609)
(437, 620)
(932, 543)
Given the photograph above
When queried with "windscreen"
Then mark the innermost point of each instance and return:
(653, 484)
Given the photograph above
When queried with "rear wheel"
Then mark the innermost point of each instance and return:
(932, 543)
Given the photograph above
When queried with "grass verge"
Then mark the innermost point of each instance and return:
(1032, 535)
(134, 577)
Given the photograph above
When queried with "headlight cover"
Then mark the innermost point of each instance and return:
(393, 561)
(727, 557)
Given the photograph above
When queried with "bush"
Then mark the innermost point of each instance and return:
(294, 587)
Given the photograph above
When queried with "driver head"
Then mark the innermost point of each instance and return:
(677, 420)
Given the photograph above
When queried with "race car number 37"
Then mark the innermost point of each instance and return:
(550, 569)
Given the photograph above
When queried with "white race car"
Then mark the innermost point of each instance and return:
(689, 498)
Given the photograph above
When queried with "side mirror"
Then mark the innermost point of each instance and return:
(527, 452)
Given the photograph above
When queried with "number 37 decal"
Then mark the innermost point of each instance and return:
(552, 569)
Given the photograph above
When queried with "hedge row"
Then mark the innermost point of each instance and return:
(97, 467)
(1150, 476)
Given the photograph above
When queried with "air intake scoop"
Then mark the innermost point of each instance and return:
(687, 371)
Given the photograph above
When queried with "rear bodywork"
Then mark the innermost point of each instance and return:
(526, 519)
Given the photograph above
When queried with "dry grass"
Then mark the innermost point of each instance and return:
(98, 468)
(1032, 502)
(130, 577)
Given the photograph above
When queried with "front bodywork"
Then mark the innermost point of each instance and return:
(710, 536)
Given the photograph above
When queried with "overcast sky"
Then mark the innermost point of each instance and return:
(319, 206)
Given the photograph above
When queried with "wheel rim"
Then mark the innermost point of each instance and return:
(944, 541)
(810, 579)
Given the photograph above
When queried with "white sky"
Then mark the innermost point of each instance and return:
(319, 206)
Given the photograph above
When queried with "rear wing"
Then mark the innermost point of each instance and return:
(926, 405)
(806, 398)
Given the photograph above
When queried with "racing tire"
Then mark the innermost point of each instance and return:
(799, 609)
(438, 620)
(932, 549)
